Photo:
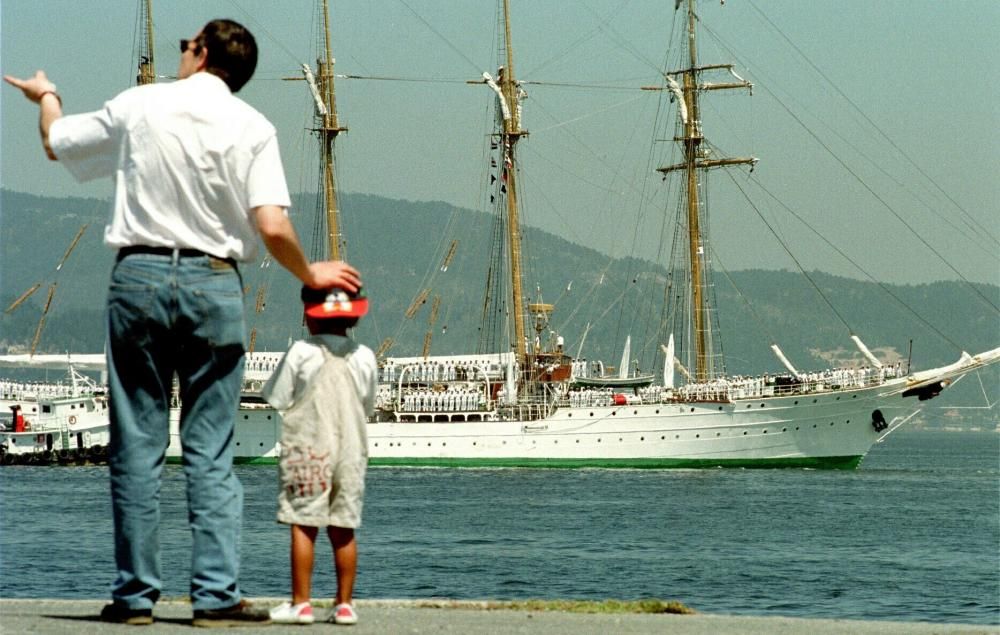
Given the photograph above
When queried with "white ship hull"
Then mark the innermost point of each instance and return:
(821, 429)
(830, 430)
(62, 428)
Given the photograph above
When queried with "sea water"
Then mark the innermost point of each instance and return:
(914, 535)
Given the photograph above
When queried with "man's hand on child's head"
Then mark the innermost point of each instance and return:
(334, 273)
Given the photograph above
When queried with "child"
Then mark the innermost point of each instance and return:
(325, 387)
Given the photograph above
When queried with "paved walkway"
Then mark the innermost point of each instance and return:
(389, 617)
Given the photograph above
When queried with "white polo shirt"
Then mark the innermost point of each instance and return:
(189, 161)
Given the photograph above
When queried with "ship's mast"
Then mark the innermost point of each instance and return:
(697, 159)
(147, 70)
(512, 132)
(328, 128)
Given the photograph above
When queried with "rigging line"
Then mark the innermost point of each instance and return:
(588, 115)
(743, 296)
(873, 193)
(869, 120)
(879, 166)
(475, 67)
(438, 80)
(577, 42)
(591, 291)
(623, 41)
(539, 106)
(789, 252)
(415, 80)
(881, 200)
(874, 280)
(258, 26)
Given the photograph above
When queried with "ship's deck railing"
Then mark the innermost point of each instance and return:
(18, 391)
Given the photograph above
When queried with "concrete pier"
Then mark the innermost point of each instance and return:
(386, 617)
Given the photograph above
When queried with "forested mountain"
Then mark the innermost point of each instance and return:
(400, 245)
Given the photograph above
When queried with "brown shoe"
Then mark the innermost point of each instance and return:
(241, 614)
(121, 614)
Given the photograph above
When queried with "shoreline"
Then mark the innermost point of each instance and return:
(441, 615)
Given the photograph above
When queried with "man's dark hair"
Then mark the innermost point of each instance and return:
(232, 52)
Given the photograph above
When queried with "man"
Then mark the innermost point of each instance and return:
(197, 174)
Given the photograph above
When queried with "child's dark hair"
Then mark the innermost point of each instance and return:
(331, 325)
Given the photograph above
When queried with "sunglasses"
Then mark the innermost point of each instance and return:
(185, 44)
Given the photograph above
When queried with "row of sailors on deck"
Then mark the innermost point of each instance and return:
(262, 364)
(739, 387)
(852, 377)
(591, 397)
(436, 371)
(451, 400)
(22, 389)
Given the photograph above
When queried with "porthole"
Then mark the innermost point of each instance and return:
(642, 438)
(614, 412)
(692, 409)
(657, 411)
(744, 433)
(570, 414)
(795, 403)
(598, 440)
(718, 434)
(749, 405)
(815, 400)
(814, 425)
(761, 405)
(635, 412)
(556, 441)
(591, 414)
(578, 440)
(663, 438)
(796, 427)
(720, 408)
(784, 429)
(838, 397)
(854, 396)
(473, 443)
(697, 436)
(677, 436)
(619, 439)
(831, 423)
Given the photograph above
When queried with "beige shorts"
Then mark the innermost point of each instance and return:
(316, 491)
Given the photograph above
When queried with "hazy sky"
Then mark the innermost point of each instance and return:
(924, 72)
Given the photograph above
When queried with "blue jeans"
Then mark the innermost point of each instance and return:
(170, 315)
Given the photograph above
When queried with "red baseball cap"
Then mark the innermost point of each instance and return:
(334, 303)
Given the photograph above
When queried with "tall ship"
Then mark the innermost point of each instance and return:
(520, 397)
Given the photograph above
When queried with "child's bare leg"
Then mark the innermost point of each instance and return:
(303, 550)
(345, 558)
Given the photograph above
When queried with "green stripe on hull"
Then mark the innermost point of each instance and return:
(819, 463)
(239, 460)
(823, 463)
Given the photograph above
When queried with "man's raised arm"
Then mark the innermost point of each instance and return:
(41, 91)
